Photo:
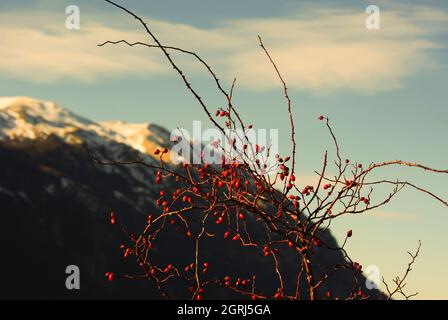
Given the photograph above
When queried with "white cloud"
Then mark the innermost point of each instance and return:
(329, 51)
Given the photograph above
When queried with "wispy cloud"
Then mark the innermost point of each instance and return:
(327, 51)
(333, 50)
(392, 215)
(51, 52)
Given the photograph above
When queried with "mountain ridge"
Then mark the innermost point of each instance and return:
(27, 118)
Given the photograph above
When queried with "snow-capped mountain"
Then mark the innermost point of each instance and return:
(26, 122)
(55, 200)
(27, 118)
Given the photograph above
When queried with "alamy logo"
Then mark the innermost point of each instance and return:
(72, 282)
(373, 17)
(213, 146)
(73, 20)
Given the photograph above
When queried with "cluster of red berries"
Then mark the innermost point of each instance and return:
(307, 190)
(208, 188)
(221, 113)
(161, 151)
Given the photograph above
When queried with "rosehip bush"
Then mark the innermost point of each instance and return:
(236, 205)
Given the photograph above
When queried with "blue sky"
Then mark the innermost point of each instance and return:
(385, 91)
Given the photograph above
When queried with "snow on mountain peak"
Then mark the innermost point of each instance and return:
(6, 101)
(28, 118)
(32, 110)
(137, 135)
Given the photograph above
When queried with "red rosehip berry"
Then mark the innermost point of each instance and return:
(278, 295)
(238, 184)
(110, 276)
